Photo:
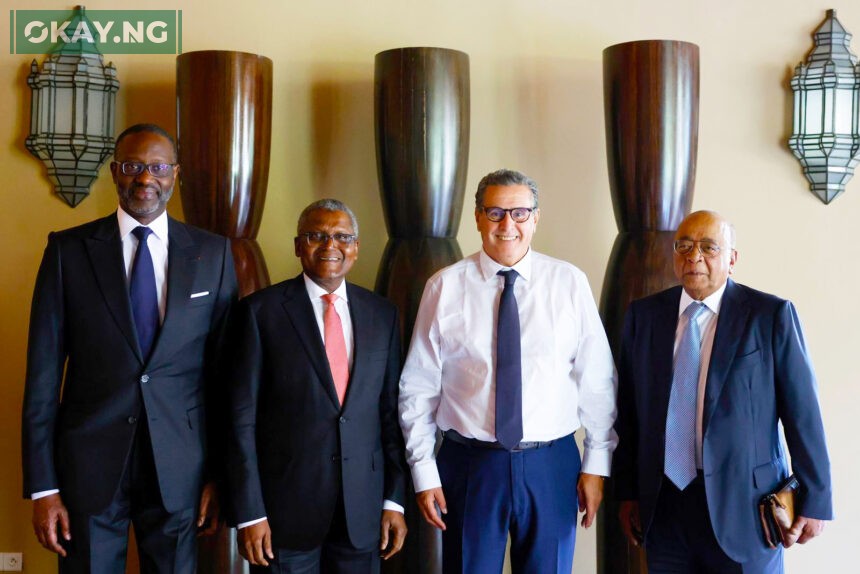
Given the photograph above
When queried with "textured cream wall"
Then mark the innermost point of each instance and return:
(536, 106)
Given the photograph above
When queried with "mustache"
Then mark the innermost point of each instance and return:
(153, 187)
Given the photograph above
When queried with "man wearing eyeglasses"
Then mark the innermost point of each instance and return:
(508, 359)
(316, 464)
(126, 323)
(707, 372)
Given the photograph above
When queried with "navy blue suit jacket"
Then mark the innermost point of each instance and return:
(759, 374)
(294, 450)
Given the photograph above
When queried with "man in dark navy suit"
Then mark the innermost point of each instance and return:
(316, 462)
(126, 323)
(707, 371)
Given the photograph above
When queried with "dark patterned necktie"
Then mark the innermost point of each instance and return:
(509, 379)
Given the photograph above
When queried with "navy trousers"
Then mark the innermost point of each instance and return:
(529, 494)
(682, 541)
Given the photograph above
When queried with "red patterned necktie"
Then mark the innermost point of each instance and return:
(335, 347)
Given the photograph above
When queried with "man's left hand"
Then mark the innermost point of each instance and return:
(393, 522)
(209, 510)
(589, 491)
(805, 529)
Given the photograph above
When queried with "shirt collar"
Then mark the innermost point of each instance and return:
(316, 292)
(127, 224)
(490, 267)
(712, 301)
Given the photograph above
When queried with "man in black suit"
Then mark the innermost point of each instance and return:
(315, 460)
(124, 329)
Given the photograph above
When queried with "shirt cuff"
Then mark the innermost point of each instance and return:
(597, 462)
(249, 523)
(425, 476)
(391, 505)
(43, 493)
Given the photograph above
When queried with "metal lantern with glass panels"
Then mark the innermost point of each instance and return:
(826, 89)
(73, 103)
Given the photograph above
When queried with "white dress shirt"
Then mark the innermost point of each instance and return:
(157, 243)
(341, 305)
(707, 327)
(448, 381)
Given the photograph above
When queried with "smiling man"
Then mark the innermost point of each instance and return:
(707, 372)
(508, 359)
(126, 326)
(316, 457)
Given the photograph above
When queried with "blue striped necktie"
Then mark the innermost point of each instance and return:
(680, 462)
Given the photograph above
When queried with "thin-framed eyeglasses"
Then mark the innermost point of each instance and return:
(137, 167)
(707, 248)
(314, 238)
(518, 214)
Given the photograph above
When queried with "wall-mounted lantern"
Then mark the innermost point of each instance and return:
(826, 133)
(72, 108)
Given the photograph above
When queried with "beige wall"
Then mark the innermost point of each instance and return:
(536, 106)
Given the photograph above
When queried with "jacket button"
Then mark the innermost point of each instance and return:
(335, 458)
(132, 420)
(144, 378)
(342, 420)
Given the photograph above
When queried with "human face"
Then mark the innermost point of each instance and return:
(144, 196)
(326, 263)
(699, 275)
(507, 241)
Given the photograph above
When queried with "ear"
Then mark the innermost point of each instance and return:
(114, 169)
(536, 215)
(297, 245)
(477, 216)
(732, 260)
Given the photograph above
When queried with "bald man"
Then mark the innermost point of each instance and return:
(707, 371)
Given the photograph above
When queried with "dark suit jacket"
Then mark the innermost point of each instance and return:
(83, 340)
(759, 374)
(293, 450)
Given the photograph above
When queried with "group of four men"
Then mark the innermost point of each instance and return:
(150, 396)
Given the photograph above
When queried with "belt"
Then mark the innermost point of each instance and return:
(454, 436)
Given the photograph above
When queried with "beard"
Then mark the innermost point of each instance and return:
(143, 207)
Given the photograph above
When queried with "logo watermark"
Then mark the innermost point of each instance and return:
(108, 31)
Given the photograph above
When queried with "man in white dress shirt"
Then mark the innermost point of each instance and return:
(510, 465)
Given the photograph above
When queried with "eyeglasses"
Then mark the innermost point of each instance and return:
(137, 167)
(707, 248)
(518, 214)
(319, 238)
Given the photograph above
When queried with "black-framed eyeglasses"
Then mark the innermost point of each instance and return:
(132, 168)
(319, 238)
(518, 214)
(707, 248)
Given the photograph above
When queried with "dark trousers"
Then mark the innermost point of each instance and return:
(682, 541)
(336, 555)
(490, 494)
(167, 542)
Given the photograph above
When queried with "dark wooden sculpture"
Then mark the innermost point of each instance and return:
(422, 152)
(224, 126)
(651, 108)
(224, 117)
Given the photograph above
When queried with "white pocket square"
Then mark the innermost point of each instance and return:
(201, 294)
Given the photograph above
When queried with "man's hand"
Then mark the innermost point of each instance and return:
(589, 491)
(48, 513)
(805, 529)
(631, 525)
(427, 501)
(209, 510)
(255, 543)
(392, 521)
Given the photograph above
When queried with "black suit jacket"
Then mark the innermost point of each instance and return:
(87, 381)
(293, 449)
(759, 374)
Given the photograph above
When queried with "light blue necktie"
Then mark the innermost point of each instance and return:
(680, 463)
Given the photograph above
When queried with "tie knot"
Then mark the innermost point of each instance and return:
(510, 276)
(694, 309)
(329, 298)
(141, 232)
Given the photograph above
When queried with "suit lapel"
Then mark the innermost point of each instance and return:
(105, 251)
(183, 255)
(298, 307)
(362, 332)
(663, 348)
(731, 323)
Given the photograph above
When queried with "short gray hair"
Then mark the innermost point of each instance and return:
(327, 205)
(505, 177)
